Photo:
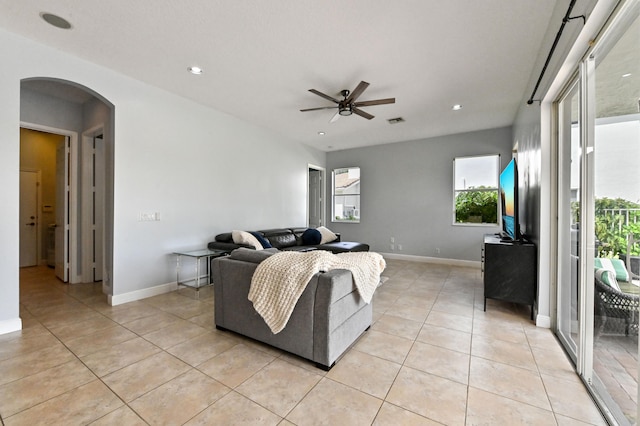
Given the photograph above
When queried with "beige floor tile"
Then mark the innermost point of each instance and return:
(484, 408)
(146, 325)
(571, 399)
(397, 326)
(454, 322)
(180, 399)
(365, 373)
(175, 333)
(78, 406)
(554, 363)
(99, 341)
(37, 388)
(334, 403)
(131, 311)
(235, 365)
(124, 416)
(510, 382)
(418, 314)
(119, 356)
(21, 346)
(202, 348)
(235, 409)
(279, 386)
(434, 397)
(518, 355)
(439, 361)
(34, 362)
(391, 415)
(189, 377)
(445, 338)
(79, 328)
(139, 378)
(383, 345)
(189, 308)
(512, 333)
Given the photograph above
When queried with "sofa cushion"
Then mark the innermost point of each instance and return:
(261, 239)
(253, 256)
(225, 237)
(616, 266)
(327, 235)
(280, 238)
(311, 237)
(243, 237)
(608, 277)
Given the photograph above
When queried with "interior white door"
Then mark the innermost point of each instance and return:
(315, 198)
(98, 206)
(62, 210)
(28, 218)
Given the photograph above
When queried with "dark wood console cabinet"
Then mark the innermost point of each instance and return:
(510, 271)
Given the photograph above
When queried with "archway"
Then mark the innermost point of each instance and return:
(87, 119)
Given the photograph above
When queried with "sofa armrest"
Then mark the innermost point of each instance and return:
(340, 315)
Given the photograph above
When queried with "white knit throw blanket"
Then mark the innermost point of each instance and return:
(280, 279)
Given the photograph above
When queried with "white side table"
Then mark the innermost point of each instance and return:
(198, 280)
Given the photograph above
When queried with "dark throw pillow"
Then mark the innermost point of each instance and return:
(311, 237)
(261, 240)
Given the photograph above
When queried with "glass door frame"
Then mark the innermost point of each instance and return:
(585, 76)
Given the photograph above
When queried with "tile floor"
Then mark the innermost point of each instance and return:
(432, 356)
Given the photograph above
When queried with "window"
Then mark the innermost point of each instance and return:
(475, 189)
(346, 195)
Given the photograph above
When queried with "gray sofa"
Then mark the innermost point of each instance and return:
(328, 318)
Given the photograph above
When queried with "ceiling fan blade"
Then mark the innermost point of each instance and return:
(375, 102)
(361, 113)
(357, 91)
(316, 109)
(335, 117)
(322, 95)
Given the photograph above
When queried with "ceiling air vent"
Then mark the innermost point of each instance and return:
(396, 120)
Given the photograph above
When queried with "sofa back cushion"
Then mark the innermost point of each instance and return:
(280, 238)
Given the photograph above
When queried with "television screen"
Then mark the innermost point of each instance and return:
(509, 201)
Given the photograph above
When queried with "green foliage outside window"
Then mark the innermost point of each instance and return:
(477, 206)
(615, 219)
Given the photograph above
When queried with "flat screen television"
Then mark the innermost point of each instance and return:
(509, 202)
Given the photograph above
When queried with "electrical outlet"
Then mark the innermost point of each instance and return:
(148, 217)
(393, 239)
(393, 246)
(437, 250)
(399, 246)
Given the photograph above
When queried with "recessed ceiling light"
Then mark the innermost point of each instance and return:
(321, 133)
(456, 107)
(626, 75)
(55, 20)
(195, 70)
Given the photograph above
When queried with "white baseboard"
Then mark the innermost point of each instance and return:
(132, 296)
(543, 321)
(437, 260)
(10, 325)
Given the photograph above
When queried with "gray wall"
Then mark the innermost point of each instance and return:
(407, 193)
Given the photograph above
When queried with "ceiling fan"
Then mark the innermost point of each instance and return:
(348, 105)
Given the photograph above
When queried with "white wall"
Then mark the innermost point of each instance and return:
(204, 171)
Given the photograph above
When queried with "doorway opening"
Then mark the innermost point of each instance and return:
(67, 134)
(315, 196)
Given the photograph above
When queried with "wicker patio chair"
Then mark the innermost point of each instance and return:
(611, 304)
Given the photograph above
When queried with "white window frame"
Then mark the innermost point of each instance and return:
(495, 189)
(355, 218)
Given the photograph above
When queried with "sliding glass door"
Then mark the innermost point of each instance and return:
(598, 123)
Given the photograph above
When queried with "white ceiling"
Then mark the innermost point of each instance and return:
(261, 57)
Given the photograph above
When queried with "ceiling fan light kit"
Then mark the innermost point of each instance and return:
(348, 105)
